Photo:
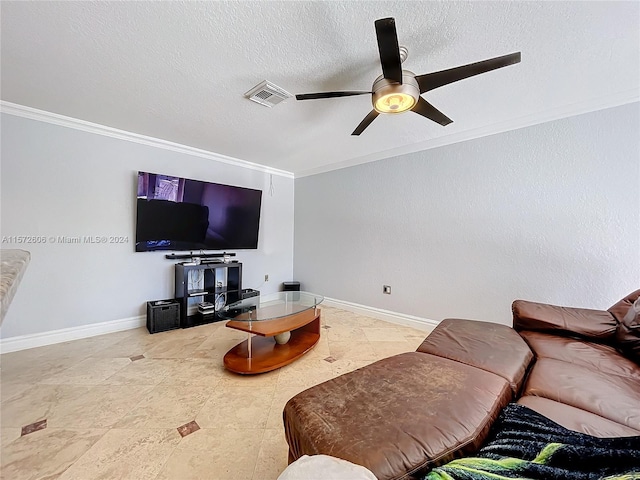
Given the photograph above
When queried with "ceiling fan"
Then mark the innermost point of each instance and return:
(398, 90)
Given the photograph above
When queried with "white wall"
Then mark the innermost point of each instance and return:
(59, 181)
(548, 213)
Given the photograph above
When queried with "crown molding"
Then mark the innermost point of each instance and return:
(77, 124)
(564, 111)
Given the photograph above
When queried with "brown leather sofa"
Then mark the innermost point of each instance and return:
(403, 415)
(580, 379)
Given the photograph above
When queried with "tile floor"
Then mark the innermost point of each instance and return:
(131, 405)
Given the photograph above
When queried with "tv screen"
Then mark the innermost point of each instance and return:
(176, 213)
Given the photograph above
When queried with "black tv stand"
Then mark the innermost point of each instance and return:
(184, 256)
(215, 280)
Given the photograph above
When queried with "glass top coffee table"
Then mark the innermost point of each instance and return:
(281, 328)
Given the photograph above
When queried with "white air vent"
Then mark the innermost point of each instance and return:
(267, 94)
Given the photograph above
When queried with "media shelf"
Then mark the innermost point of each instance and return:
(206, 282)
(185, 256)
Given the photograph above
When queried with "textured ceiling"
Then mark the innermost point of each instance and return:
(178, 70)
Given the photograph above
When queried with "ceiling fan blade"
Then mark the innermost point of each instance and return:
(427, 110)
(366, 122)
(389, 50)
(430, 81)
(314, 96)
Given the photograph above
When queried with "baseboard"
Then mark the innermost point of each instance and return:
(387, 315)
(22, 342)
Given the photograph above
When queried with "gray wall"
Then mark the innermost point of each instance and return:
(548, 213)
(58, 181)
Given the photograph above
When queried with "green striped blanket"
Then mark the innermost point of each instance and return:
(526, 445)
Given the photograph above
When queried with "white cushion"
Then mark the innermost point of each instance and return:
(324, 467)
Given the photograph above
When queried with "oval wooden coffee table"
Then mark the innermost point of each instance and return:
(268, 320)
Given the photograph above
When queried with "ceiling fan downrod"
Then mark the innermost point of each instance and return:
(404, 53)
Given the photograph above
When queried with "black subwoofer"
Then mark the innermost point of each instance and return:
(292, 287)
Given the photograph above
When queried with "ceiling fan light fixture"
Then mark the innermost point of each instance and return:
(392, 97)
(394, 103)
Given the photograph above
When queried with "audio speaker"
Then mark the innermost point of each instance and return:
(291, 286)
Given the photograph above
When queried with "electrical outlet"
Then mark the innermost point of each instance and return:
(266, 277)
(386, 289)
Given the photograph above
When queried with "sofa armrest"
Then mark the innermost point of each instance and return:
(621, 308)
(593, 324)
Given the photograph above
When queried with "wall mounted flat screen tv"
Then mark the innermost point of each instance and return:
(176, 213)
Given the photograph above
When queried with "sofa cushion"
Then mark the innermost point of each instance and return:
(397, 416)
(595, 356)
(610, 396)
(575, 419)
(628, 333)
(490, 346)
